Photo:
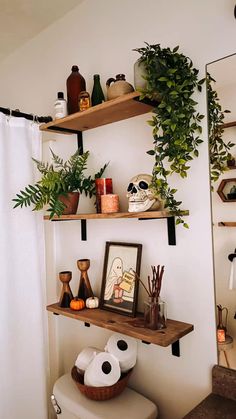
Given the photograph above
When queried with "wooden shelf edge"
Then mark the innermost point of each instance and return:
(127, 325)
(229, 124)
(94, 216)
(227, 224)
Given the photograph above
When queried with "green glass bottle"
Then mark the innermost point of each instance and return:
(97, 93)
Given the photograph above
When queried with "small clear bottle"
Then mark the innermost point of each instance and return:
(60, 106)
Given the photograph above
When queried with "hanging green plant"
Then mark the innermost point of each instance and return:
(171, 80)
(219, 149)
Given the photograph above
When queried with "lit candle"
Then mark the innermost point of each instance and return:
(109, 203)
(221, 335)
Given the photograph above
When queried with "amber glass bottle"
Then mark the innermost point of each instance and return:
(97, 93)
(74, 84)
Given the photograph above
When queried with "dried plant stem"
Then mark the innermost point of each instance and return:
(144, 286)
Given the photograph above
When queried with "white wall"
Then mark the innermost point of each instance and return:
(99, 36)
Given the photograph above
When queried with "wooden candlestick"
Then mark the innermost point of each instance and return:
(85, 290)
(66, 293)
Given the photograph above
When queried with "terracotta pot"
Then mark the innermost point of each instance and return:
(139, 75)
(71, 200)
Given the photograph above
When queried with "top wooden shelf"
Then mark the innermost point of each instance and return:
(123, 107)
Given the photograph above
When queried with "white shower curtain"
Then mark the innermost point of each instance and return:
(23, 345)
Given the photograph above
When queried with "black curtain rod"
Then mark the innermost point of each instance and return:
(28, 116)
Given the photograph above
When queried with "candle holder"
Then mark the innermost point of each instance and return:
(110, 203)
(103, 187)
(85, 290)
(66, 293)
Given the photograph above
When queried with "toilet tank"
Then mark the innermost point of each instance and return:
(74, 405)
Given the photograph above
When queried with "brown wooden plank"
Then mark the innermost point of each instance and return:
(95, 216)
(123, 107)
(227, 224)
(229, 124)
(126, 325)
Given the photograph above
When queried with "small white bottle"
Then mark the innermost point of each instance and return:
(60, 106)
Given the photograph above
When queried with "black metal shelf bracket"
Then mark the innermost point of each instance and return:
(171, 231)
(87, 324)
(146, 343)
(170, 228)
(83, 230)
(80, 142)
(175, 348)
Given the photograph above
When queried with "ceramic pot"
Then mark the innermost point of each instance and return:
(139, 75)
(118, 87)
(71, 200)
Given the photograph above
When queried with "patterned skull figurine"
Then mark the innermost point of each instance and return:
(140, 195)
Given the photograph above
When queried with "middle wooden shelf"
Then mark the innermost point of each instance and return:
(94, 216)
(145, 215)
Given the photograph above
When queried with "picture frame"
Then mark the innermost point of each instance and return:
(119, 290)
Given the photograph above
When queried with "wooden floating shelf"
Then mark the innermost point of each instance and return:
(123, 107)
(227, 224)
(94, 216)
(229, 124)
(127, 325)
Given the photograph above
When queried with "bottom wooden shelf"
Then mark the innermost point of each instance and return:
(127, 325)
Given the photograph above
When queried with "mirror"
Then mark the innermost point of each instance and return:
(222, 129)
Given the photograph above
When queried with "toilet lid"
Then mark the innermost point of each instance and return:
(129, 404)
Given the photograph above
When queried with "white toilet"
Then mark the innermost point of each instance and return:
(69, 403)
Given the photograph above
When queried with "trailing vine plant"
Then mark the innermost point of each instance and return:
(219, 149)
(171, 81)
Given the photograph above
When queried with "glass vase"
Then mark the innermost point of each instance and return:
(155, 314)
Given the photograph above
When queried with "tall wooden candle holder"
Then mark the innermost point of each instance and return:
(85, 290)
(66, 293)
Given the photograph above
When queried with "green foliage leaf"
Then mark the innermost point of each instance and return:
(219, 149)
(171, 77)
(57, 179)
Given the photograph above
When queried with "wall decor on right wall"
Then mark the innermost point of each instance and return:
(227, 190)
(222, 139)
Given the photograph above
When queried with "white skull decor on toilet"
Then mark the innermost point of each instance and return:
(140, 195)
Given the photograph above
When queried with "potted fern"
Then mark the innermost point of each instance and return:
(171, 81)
(60, 185)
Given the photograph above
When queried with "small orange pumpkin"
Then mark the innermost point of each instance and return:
(77, 304)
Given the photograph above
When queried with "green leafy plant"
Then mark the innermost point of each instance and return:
(58, 178)
(220, 151)
(171, 81)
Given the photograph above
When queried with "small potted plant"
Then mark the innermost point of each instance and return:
(232, 193)
(60, 185)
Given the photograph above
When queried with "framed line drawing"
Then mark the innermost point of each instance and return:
(119, 291)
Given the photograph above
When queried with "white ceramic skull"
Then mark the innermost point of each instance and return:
(141, 197)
